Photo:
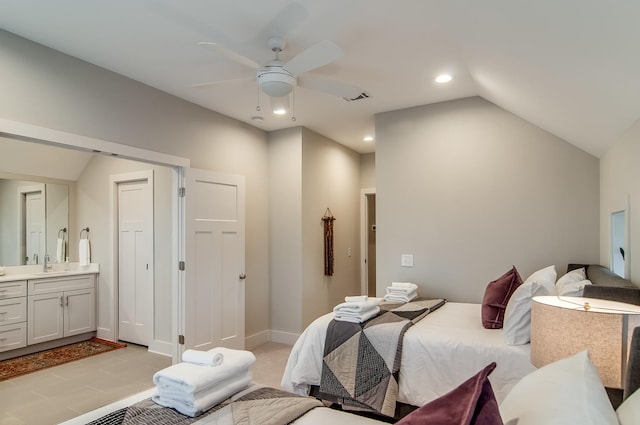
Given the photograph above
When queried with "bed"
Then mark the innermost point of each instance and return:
(449, 344)
(443, 349)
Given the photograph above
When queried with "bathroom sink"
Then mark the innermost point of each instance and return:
(58, 273)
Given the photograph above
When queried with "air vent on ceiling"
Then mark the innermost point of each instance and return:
(361, 96)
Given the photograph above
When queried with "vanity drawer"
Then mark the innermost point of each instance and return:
(13, 336)
(62, 283)
(13, 310)
(17, 288)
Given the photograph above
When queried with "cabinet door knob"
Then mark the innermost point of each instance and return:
(242, 276)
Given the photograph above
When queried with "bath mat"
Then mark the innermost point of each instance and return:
(56, 356)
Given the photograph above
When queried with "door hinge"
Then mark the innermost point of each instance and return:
(181, 192)
(181, 339)
(181, 265)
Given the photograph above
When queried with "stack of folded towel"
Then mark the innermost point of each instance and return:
(203, 379)
(357, 309)
(401, 292)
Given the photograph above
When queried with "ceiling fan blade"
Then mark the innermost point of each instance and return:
(324, 85)
(318, 55)
(214, 83)
(236, 57)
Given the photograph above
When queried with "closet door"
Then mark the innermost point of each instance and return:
(214, 260)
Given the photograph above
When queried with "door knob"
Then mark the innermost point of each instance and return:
(242, 276)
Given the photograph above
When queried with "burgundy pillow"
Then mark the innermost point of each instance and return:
(496, 297)
(471, 403)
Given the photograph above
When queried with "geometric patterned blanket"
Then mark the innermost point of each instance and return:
(262, 405)
(361, 361)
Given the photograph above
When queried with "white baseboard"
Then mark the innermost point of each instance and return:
(161, 347)
(252, 341)
(106, 334)
(284, 337)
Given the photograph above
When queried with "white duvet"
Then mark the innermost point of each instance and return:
(440, 352)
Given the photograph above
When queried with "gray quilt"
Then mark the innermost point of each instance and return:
(362, 360)
(265, 406)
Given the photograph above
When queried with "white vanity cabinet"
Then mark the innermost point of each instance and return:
(13, 315)
(59, 307)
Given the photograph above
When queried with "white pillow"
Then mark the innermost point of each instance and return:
(517, 315)
(546, 276)
(569, 279)
(629, 410)
(566, 392)
(572, 276)
(573, 289)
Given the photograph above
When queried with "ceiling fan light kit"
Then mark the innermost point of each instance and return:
(276, 82)
(278, 79)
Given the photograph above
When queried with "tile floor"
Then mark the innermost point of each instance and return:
(60, 393)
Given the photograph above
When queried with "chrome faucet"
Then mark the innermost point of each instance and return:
(47, 266)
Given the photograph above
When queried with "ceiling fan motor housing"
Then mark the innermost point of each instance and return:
(276, 81)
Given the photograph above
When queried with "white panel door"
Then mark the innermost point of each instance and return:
(35, 227)
(135, 262)
(215, 258)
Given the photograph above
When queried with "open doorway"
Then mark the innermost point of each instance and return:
(368, 241)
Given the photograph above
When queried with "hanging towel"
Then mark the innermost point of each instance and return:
(60, 250)
(84, 252)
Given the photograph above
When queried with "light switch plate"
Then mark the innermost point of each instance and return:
(406, 260)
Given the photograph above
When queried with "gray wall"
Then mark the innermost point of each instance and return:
(285, 231)
(619, 184)
(330, 179)
(46, 88)
(470, 190)
(368, 170)
(310, 173)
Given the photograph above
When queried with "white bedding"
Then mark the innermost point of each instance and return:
(440, 352)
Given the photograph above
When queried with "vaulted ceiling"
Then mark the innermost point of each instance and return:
(571, 67)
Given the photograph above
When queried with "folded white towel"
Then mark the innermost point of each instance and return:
(84, 252)
(192, 378)
(403, 285)
(358, 307)
(356, 317)
(194, 404)
(205, 358)
(400, 287)
(400, 298)
(356, 298)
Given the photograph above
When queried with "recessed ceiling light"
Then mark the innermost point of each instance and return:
(443, 78)
(368, 138)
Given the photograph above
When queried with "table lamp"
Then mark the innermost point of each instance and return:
(563, 326)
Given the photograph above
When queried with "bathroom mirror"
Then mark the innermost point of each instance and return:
(35, 184)
(33, 216)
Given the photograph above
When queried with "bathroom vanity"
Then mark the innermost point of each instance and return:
(41, 310)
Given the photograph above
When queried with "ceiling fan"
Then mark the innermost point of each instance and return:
(277, 78)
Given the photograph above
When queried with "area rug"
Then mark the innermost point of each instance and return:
(56, 356)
